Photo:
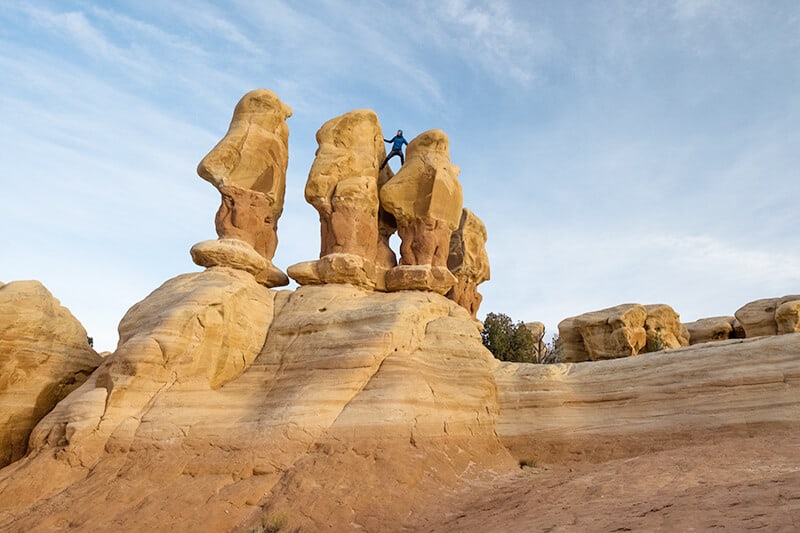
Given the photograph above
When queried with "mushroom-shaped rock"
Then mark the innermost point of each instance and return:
(468, 261)
(248, 167)
(343, 186)
(426, 200)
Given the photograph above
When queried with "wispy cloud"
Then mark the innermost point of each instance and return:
(489, 33)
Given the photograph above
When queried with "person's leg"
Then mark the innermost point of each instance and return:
(391, 155)
(402, 159)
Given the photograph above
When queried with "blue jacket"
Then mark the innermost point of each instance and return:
(397, 143)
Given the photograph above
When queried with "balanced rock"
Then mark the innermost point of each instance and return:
(718, 328)
(239, 255)
(248, 167)
(44, 355)
(664, 329)
(426, 200)
(787, 317)
(759, 317)
(606, 334)
(343, 186)
(468, 261)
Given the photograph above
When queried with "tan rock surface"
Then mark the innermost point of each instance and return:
(758, 318)
(396, 387)
(787, 317)
(425, 198)
(239, 255)
(710, 329)
(663, 328)
(468, 261)
(254, 152)
(624, 407)
(343, 183)
(44, 355)
(608, 333)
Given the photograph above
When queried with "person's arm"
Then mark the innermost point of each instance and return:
(386, 140)
(405, 141)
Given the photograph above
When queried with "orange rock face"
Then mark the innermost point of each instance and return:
(468, 261)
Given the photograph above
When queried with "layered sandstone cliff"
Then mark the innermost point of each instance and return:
(226, 402)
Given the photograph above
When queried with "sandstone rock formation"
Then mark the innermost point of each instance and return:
(621, 331)
(248, 167)
(605, 334)
(468, 261)
(425, 199)
(664, 329)
(624, 407)
(396, 387)
(44, 355)
(343, 186)
(760, 317)
(718, 328)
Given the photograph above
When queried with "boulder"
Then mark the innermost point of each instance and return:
(711, 329)
(248, 167)
(44, 355)
(609, 333)
(468, 261)
(758, 318)
(425, 198)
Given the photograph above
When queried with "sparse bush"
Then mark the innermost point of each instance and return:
(655, 343)
(508, 341)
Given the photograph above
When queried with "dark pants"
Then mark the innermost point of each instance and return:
(391, 155)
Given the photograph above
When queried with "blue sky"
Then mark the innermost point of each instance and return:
(617, 151)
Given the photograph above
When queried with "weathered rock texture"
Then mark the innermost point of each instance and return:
(248, 167)
(343, 186)
(762, 317)
(44, 355)
(426, 200)
(468, 261)
(621, 331)
(718, 328)
(598, 411)
(664, 329)
(606, 334)
(359, 408)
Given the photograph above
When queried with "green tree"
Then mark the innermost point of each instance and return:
(508, 341)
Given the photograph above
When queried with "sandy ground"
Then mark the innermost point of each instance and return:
(738, 484)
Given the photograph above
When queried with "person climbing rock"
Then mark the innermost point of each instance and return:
(397, 148)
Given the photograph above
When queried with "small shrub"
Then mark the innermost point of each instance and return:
(656, 343)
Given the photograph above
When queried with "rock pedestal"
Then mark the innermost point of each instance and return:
(248, 167)
(343, 186)
(425, 199)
